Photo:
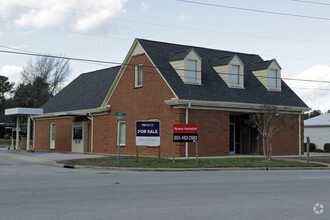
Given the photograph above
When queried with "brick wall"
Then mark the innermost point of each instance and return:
(63, 134)
(286, 140)
(144, 103)
(213, 132)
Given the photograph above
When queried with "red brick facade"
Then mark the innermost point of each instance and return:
(148, 102)
(63, 134)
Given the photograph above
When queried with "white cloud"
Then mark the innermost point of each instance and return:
(315, 95)
(0, 35)
(183, 17)
(145, 7)
(12, 72)
(81, 15)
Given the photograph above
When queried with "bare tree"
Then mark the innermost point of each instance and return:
(268, 122)
(53, 71)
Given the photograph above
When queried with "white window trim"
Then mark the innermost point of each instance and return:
(136, 75)
(51, 144)
(118, 137)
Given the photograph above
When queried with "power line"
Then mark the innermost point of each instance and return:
(255, 10)
(157, 25)
(126, 64)
(316, 3)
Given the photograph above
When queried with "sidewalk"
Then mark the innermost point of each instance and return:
(301, 160)
(51, 159)
(44, 158)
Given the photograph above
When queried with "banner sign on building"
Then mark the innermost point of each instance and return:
(148, 133)
(185, 133)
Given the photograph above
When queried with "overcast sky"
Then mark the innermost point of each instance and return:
(296, 33)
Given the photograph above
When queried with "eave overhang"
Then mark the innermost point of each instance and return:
(231, 106)
(82, 112)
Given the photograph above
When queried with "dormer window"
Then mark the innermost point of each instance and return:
(269, 74)
(188, 64)
(273, 78)
(191, 71)
(235, 75)
(231, 70)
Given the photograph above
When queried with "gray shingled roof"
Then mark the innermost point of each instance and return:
(262, 65)
(178, 55)
(87, 91)
(213, 88)
(222, 60)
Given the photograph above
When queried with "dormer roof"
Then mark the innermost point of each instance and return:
(264, 65)
(222, 60)
(180, 55)
(213, 87)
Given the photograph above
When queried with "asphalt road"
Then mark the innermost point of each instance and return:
(31, 191)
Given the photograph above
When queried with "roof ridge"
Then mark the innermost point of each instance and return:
(97, 71)
(199, 47)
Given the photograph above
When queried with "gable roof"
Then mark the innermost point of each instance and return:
(87, 91)
(222, 60)
(213, 88)
(178, 55)
(318, 121)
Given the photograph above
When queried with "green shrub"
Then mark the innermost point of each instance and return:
(327, 147)
(312, 147)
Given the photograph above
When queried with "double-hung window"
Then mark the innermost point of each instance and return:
(122, 133)
(191, 71)
(138, 75)
(273, 78)
(234, 76)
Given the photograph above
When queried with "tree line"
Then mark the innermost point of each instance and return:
(40, 80)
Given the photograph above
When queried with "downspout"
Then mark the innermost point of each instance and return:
(187, 121)
(92, 131)
(299, 130)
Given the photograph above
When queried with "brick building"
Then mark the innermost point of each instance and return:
(174, 84)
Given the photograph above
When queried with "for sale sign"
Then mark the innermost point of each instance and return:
(185, 132)
(147, 133)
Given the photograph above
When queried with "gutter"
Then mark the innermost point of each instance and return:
(230, 106)
(83, 112)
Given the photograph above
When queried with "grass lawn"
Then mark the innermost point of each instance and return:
(151, 162)
(324, 159)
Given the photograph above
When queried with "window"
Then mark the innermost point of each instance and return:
(77, 133)
(191, 71)
(122, 135)
(234, 75)
(52, 136)
(138, 75)
(273, 78)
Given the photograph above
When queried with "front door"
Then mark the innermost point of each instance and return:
(254, 142)
(52, 136)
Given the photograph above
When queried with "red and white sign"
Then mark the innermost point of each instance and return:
(185, 129)
(185, 132)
